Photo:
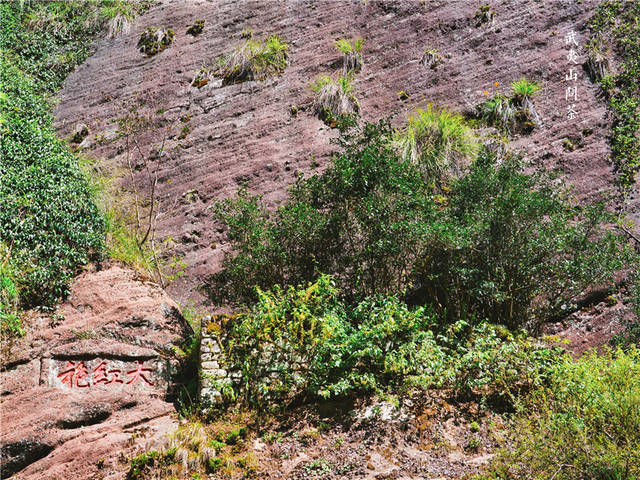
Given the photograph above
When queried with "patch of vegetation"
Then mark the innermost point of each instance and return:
(431, 58)
(352, 51)
(254, 60)
(48, 39)
(495, 243)
(484, 14)
(516, 113)
(583, 425)
(10, 323)
(155, 39)
(304, 342)
(334, 100)
(618, 20)
(197, 28)
(437, 141)
(48, 219)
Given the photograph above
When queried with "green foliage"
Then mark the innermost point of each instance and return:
(583, 425)
(255, 60)
(618, 20)
(514, 113)
(305, 342)
(334, 100)
(155, 39)
(524, 88)
(502, 244)
(47, 215)
(437, 141)
(48, 39)
(361, 219)
(347, 46)
(140, 463)
(515, 249)
(196, 28)
(10, 324)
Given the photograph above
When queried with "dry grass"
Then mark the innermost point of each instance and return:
(334, 99)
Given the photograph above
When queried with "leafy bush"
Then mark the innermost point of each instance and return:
(515, 249)
(618, 21)
(584, 425)
(47, 216)
(334, 100)
(362, 220)
(497, 243)
(439, 142)
(254, 60)
(305, 342)
(10, 324)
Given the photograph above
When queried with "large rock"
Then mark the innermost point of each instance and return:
(92, 384)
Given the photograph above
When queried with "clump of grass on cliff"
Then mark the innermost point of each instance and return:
(155, 39)
(254, 60)
(618, 21)
(352, 51)
(437, 141)
(334, 100)
(512, 113)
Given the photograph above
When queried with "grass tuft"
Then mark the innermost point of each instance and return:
(438, 141)
(254, 60)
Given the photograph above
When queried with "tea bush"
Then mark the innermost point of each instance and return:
(49, 223)
(495, 243)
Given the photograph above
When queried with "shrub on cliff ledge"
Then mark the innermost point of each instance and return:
(254, 60)
(352, 51)
(155, 39)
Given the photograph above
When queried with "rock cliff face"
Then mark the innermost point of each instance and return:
(89, 384)
(245, 134)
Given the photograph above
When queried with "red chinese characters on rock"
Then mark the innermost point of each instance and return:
(76, 375)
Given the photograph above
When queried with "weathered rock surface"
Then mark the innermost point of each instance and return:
(90, 385)
(246, 133)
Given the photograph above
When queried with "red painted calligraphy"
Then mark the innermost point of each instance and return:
(138, 373)
(75, 371)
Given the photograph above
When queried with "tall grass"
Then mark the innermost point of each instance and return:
(440, 142)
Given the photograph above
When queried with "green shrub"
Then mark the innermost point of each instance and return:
(47, 215)
(10, 323)
(334, 100)
(254, 60)
(618, 21)
(196, 28)
(516, 250)
(305, 343)
(497, 243)
(439, 142)
(155, 39)
(362, 220)
(584, 425)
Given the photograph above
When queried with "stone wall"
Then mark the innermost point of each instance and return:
(216, 381)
